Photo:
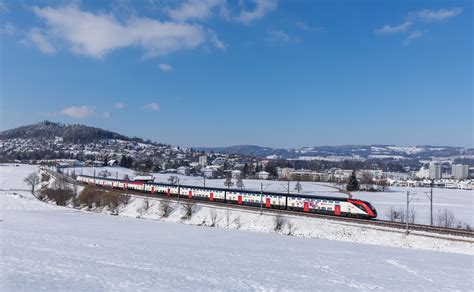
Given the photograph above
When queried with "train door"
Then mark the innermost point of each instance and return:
(306, 207)
(190, 194)
(211, 197)
(239, 201)
(337, 210)
(168, 192)
(267, 203)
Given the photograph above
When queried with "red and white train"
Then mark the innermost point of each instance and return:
(304, 203)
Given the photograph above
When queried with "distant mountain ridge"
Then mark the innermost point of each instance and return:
(75, 133)
(81, 134)
(363, 151)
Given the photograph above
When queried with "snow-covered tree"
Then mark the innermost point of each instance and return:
(353, 184)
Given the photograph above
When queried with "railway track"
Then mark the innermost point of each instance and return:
(373, 222)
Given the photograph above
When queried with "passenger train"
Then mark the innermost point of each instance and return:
(297, 202)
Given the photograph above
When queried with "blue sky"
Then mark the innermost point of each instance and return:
(264, 72)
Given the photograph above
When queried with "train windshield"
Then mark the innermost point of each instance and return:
(371, 208)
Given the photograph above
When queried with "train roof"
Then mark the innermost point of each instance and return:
(232, 190)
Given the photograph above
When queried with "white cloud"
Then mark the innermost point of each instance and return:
(3, 7)
(78, 111)
(416, 34)
(37, 37)
(9, 29)
(119, 105)
(277, 36)
(152, 106)
(389, 29)
(97, 34)
(195, 9)
(303, 26)
(106, 115)
(441, 14)
(262, 7)
(215, 40)
(165, 67)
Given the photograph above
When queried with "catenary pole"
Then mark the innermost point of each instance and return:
(431, 206)
(406, 215)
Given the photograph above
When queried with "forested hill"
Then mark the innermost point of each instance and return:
(78, 134)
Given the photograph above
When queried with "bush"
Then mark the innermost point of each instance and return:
(145, 206)
(59, 196)
(445, 218)
(165, 208)
(237, 222)
(92, 197)
(188, 210)
(278, 222)
(45, 177)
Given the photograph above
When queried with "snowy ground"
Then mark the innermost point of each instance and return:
(45, 247)
(11, 176)
(460, 202)
(268, 185)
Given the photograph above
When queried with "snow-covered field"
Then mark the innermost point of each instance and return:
(460, 202)
(46, 247)
(268, 185)
(11, 176)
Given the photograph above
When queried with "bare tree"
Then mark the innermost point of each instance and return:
(104, 173)
(145, 206)
(239, 183)
(165, 208)
(391, 214)
(228, 181)
(397, 215)
(188, 210)
(213, 215)
(237, 222)
(401, 215)
(32, 180)
(290, 227)
(278, 222)
(445, 218)
(366, 179)
(173, 179)
(298, 187)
